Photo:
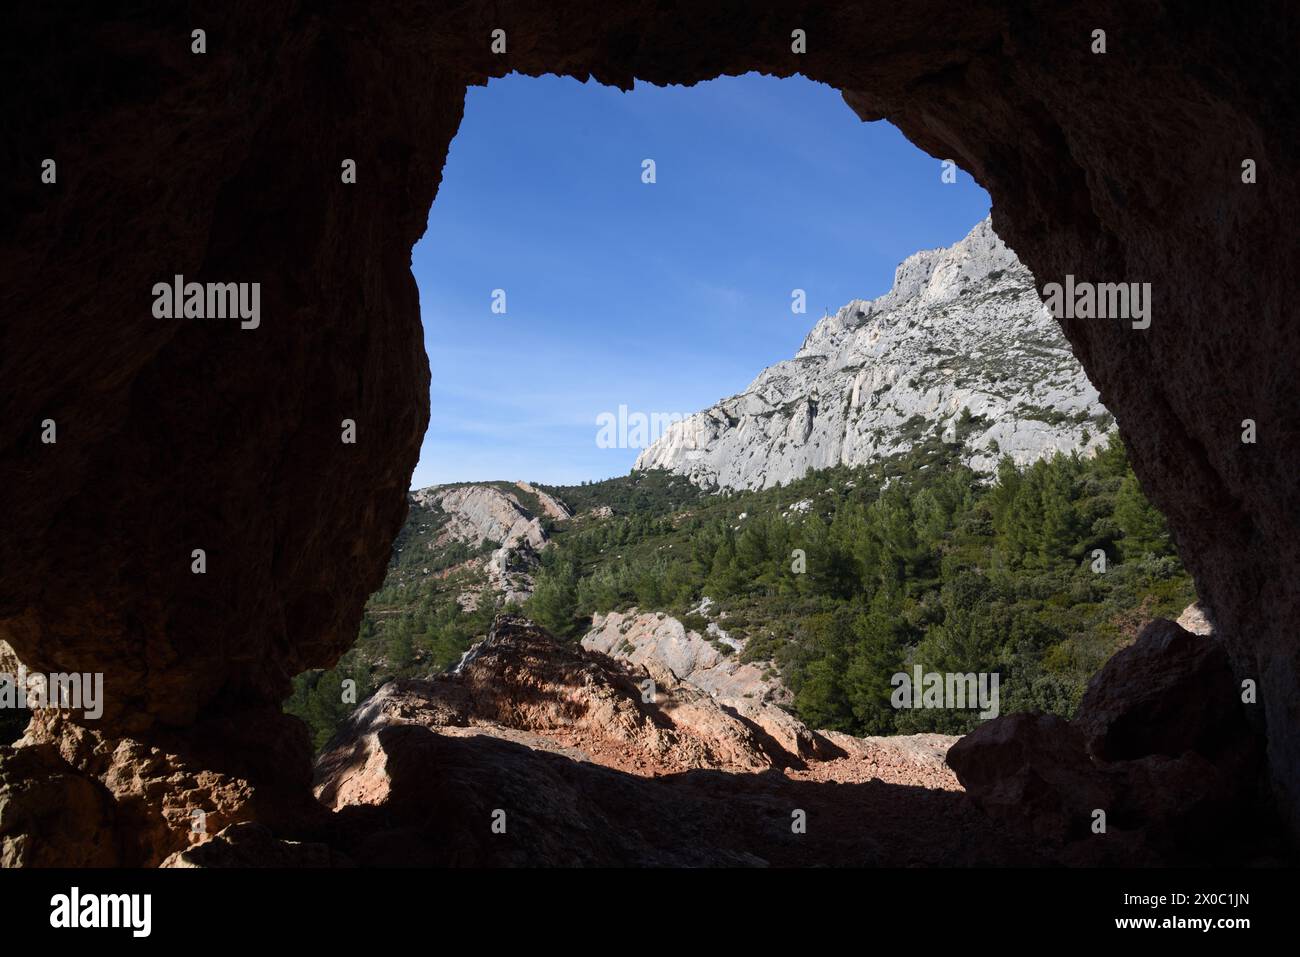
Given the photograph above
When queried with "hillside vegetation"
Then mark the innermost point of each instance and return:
(838, 580)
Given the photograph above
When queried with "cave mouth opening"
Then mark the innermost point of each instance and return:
(686, 217)
(1060, 135)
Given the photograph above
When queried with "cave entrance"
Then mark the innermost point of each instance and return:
(602, 270)
(174, 437)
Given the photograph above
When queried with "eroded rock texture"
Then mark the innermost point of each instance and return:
(182, 434)
(51, 815)
(535, 751)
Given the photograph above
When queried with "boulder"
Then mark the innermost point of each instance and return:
(1034, 771)
(1169, 692)
(520, 683)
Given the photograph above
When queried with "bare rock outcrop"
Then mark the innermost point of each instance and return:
(536, 752)
(485, 513)
(480, 513)
(483, 798)
(641, 637)
(170, 792)
(1196, 619)
(665, 647)
(521, 683)
(161, 792)
(790, 734)
(551, 506)
(556, 733)
(927, 751)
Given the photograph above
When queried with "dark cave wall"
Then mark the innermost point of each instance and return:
(181, 434)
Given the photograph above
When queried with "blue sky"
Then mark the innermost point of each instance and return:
(662, 297)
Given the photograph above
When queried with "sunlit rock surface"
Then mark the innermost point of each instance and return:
(961, 331)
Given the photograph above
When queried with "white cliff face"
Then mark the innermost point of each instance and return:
(482, 513)
(962, 329)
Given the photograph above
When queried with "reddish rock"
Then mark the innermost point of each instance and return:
(445, 793)
(790, 738)
(522, 684)
(173, 791)
(587, 772)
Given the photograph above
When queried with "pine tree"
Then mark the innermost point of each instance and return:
(1143, 527)
(554, 602)
(877, 655)
(725, 577)
(1060, 532)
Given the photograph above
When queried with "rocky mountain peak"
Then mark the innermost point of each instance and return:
(961, 349)
(924, 279)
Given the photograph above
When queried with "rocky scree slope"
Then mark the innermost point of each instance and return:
(962, 331)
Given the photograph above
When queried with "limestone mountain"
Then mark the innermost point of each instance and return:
(961, 347)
